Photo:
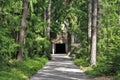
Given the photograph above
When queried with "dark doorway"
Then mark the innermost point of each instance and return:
(60, 48)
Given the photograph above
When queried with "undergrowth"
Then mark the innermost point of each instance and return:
(21, 70)
(81, 62)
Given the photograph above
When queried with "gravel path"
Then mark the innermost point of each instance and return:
(60, 68)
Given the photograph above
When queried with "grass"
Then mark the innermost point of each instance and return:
(21, 70)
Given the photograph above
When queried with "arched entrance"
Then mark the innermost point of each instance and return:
(60, 48)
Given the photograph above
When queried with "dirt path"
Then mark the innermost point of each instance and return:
(60, 68)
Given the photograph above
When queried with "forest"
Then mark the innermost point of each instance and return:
(26, 27)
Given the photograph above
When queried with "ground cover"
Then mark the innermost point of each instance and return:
(21, 70)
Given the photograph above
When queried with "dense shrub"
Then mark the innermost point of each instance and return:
(81, 62)
(21, 70)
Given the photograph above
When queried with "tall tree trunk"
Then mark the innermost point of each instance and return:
(119, 11)
(45, 15)
(99, 16)
(99, 30)
(49, 15)
(65, 2)
(23, 27)
(89, 23)
(44, 32)
(45, 20)
(94, 33)
(49, 23)
(71, 2)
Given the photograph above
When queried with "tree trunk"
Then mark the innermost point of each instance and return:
(89, 19)
(65, 3)
(99, 27)
(69, 41)
(71, 2)
(72, 38)
(99, 16)
(49, 15)
(45, 16)
(119, 11)
(45, 20)
(89, 23)
(23, 27)
(94, 33)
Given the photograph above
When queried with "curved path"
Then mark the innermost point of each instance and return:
(60, 68)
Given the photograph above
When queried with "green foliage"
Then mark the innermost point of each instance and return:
(81, 62)
(108, 42)
(108, 48)
(116, 77)
(101, 69)
(7, 45)
(21, 70)
(9, 28)
(36, 42)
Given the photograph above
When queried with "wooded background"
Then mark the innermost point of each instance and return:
(25, 27)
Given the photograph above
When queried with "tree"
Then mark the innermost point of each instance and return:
(49, 16)
(119, 10)
(23, 28)
(89, 23)
(89, 19)
(45, 15)
(94, 33)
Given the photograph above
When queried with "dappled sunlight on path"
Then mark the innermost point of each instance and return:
(60, 68)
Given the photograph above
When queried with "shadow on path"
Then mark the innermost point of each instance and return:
(60, 68)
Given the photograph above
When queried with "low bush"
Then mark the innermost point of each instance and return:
(81, 62)
(104, 69)
(21, 70)
(116, 78)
